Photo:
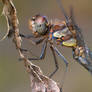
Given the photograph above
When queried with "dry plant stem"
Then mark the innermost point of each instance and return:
(39, 82)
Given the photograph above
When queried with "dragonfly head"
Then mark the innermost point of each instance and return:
(39, 25)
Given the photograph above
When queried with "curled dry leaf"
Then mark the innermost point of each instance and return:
(45, 84)
(9, 11)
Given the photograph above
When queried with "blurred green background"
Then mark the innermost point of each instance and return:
(13, 77)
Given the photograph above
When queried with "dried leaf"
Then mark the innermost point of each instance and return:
(9, 11)
(45, 85)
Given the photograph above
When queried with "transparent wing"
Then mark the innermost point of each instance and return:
(79, 35)
(86, 61)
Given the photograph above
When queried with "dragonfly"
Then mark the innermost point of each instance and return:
(64, 33)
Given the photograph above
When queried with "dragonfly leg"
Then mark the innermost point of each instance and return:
(55, 60)
(66, 63)
(29, 37)
(43, 52)
(36, 42)
(61, 90)
(64, 59)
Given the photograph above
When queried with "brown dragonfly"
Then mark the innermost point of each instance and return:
(65, 33)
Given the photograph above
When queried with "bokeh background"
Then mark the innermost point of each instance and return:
(13, 77)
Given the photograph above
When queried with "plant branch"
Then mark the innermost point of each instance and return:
(39, 82)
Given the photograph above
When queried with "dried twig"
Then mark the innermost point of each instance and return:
(39, 82)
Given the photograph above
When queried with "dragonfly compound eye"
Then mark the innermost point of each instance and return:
(40, 25)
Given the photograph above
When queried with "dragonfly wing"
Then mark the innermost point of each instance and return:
(85, 63)
(90, 54)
